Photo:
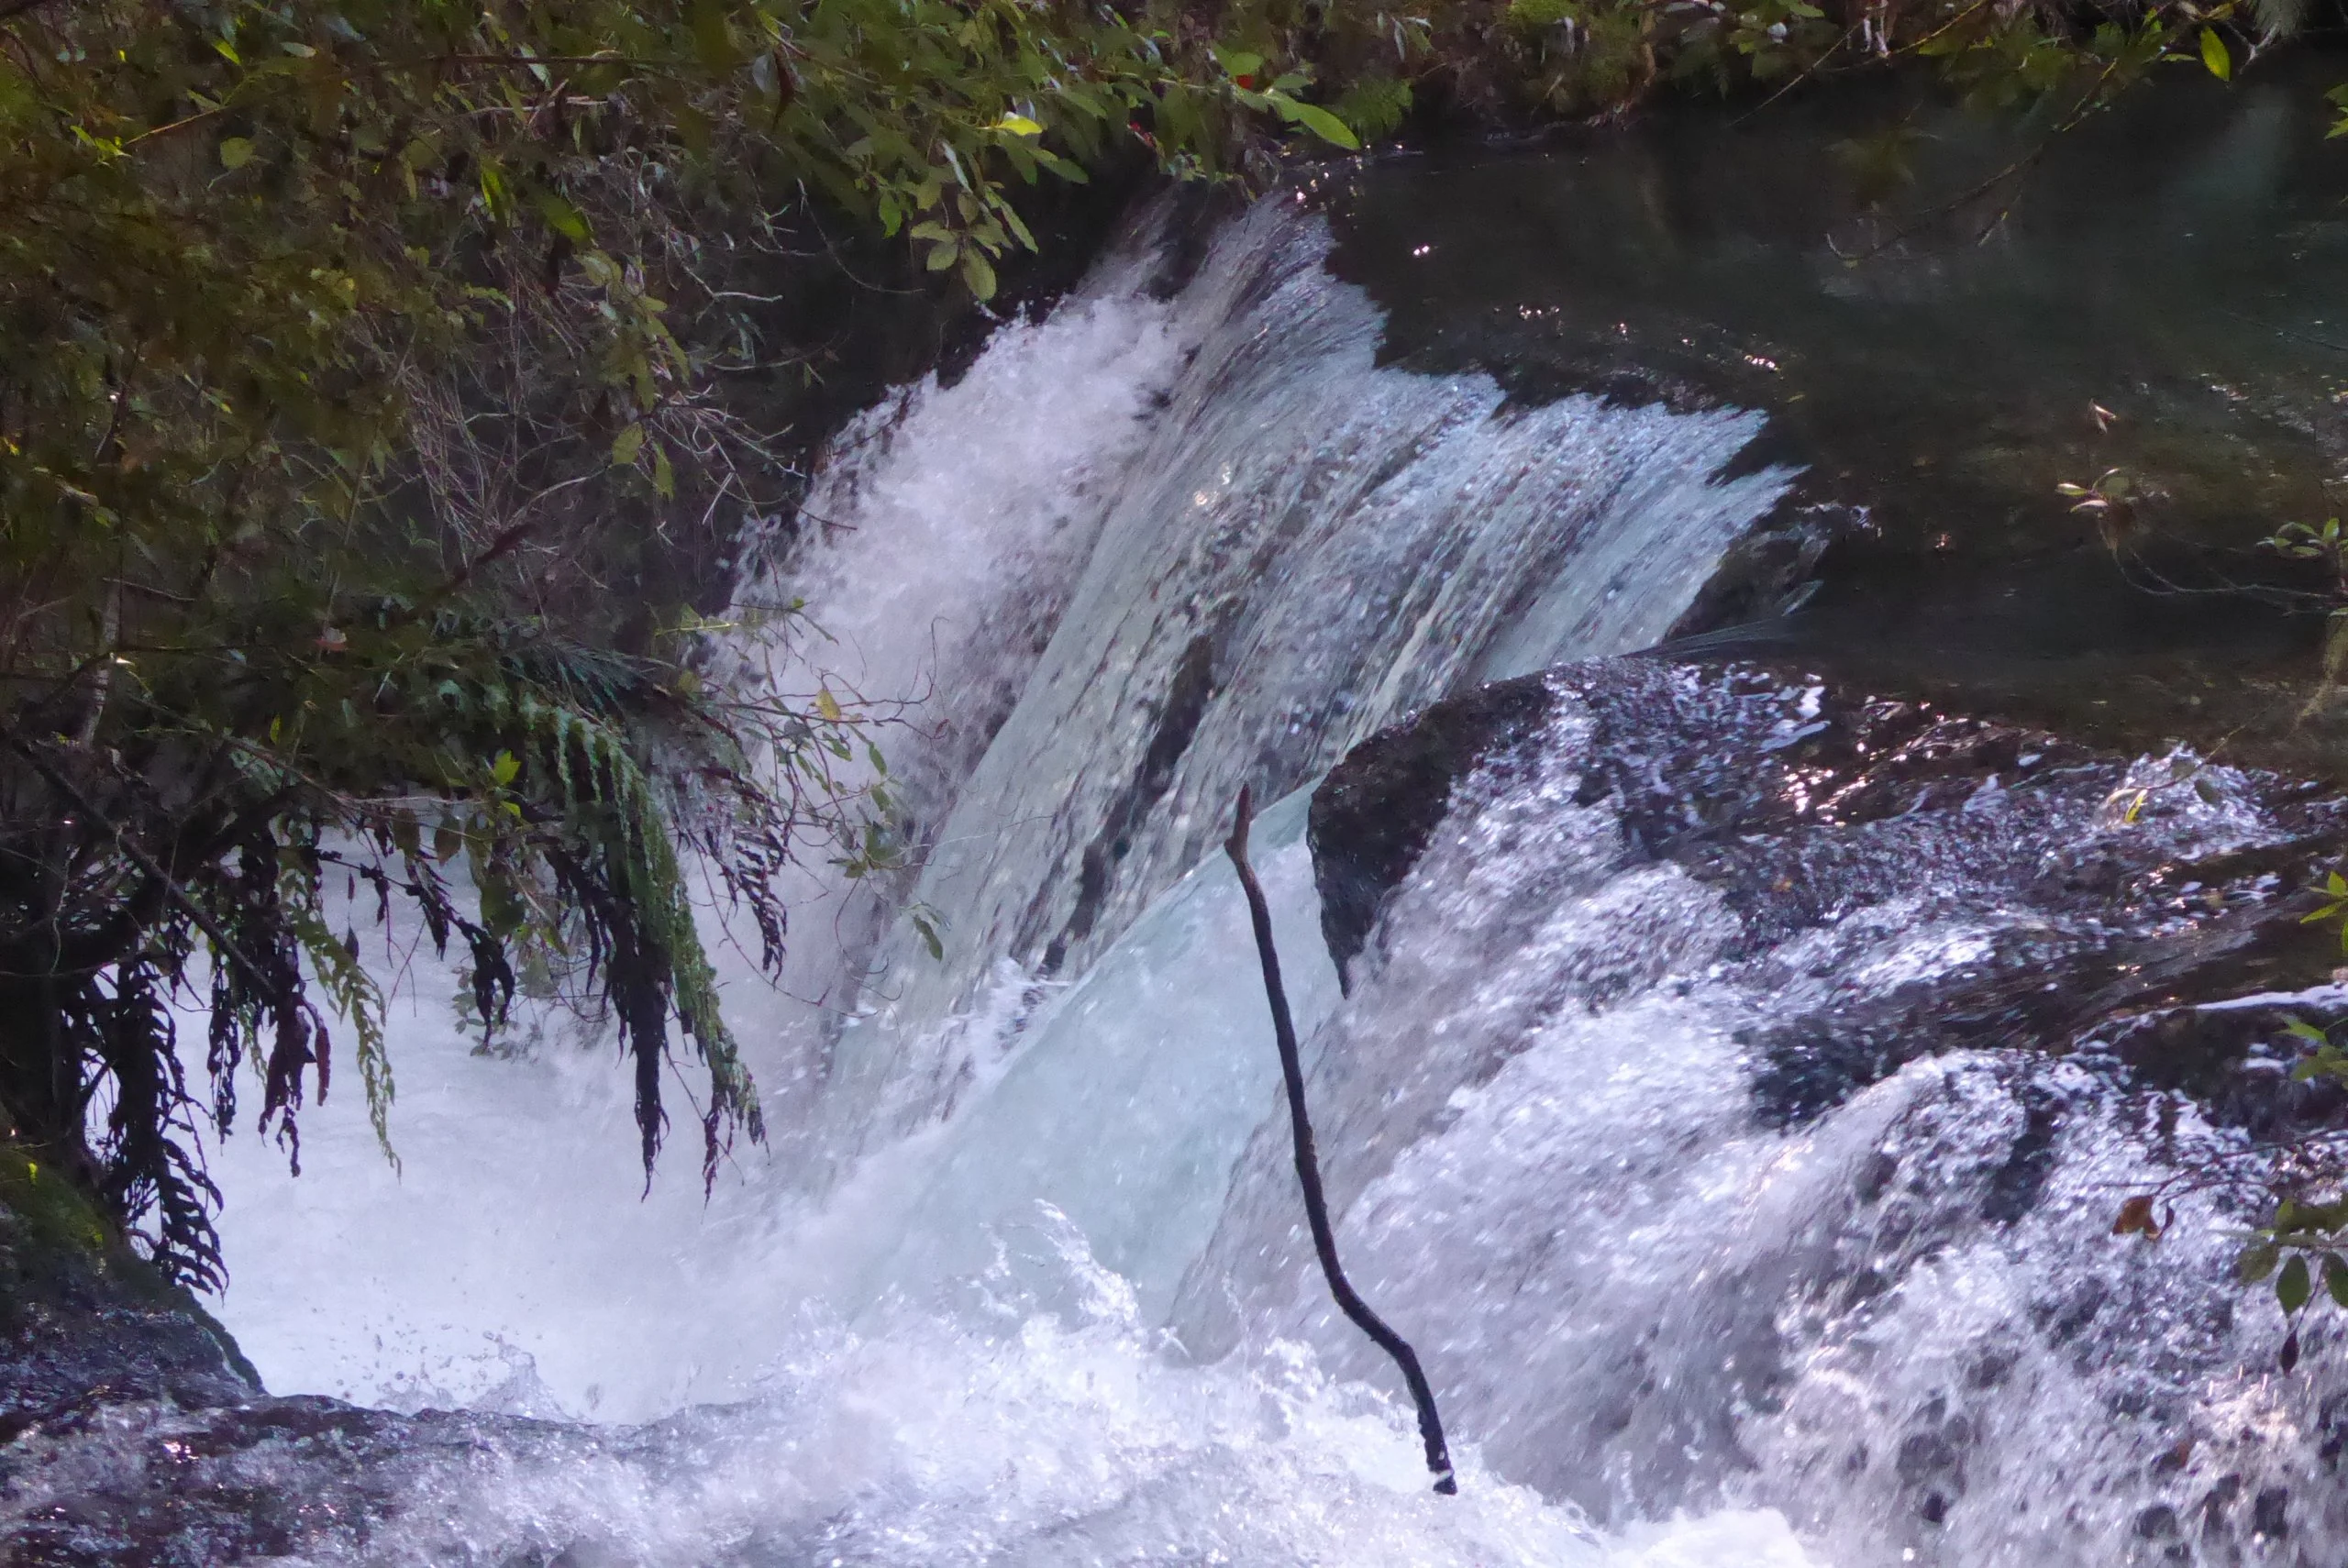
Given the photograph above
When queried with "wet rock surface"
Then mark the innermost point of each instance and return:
(84, 1323)
(1372, 815)
(154, 1485)
(1761, 1064)
(1801, 801)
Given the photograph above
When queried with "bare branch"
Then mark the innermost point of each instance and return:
(1308, 1169)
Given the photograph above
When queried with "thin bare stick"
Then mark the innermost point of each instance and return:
(1308, 1169)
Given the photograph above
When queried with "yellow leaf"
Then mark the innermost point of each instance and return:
(828, 706)
(236, 151)
(1019, 124)
(2214, 55)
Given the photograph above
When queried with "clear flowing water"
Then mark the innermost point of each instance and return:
(1654, 1120)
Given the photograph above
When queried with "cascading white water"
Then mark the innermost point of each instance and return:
(1216, 499)
(1310, 547)
(1143, 551)
(1905, 1324)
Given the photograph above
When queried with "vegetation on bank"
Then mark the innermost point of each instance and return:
(354, 354)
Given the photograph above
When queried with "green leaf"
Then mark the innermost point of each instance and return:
(2292, 1286)
(627, 444)
(2335, 1279)
(505, 769)
(2304, 1031)
(2214, 55)
(1319, 121)
(1019, 124)
(236, 151)
(2256, 1263)
(562, 217)
(979, 273)
(664, 478)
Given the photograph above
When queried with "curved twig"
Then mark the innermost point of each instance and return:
(1308, 1169)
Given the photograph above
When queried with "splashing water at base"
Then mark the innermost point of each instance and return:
(1011, 1436)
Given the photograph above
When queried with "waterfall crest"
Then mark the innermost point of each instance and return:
(1308, 546)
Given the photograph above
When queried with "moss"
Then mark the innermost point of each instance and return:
(1538, 15)
(50, 1215)
(81, 1310)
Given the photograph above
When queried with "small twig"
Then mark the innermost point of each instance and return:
(1308, 1168)
(504, 544)
(195, 119)
(1798, 77)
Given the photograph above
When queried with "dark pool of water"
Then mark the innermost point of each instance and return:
(2159, 291)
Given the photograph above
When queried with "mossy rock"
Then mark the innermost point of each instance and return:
(85, 1320)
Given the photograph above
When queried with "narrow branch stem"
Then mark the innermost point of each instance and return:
(1308, 1169)
(145, 862)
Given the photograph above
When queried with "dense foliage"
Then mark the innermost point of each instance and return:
(2056, 58)
(354, 354)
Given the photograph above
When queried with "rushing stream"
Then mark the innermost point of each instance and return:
(1729, 1092)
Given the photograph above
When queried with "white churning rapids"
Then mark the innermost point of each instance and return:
(1019, 1279)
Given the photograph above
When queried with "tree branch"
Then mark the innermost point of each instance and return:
(145, 862)
(1308, 1169)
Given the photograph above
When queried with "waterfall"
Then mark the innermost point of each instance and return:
(1157, 543)
(1308, 546)
(1703, 1105)
(1634, 1116)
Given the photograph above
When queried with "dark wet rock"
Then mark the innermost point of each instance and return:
(150, 1485)
(1372, 815)
(2332, 1424)
(85, 1322)
(1767, 574)
(1802, 802)
(2222, 1497)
